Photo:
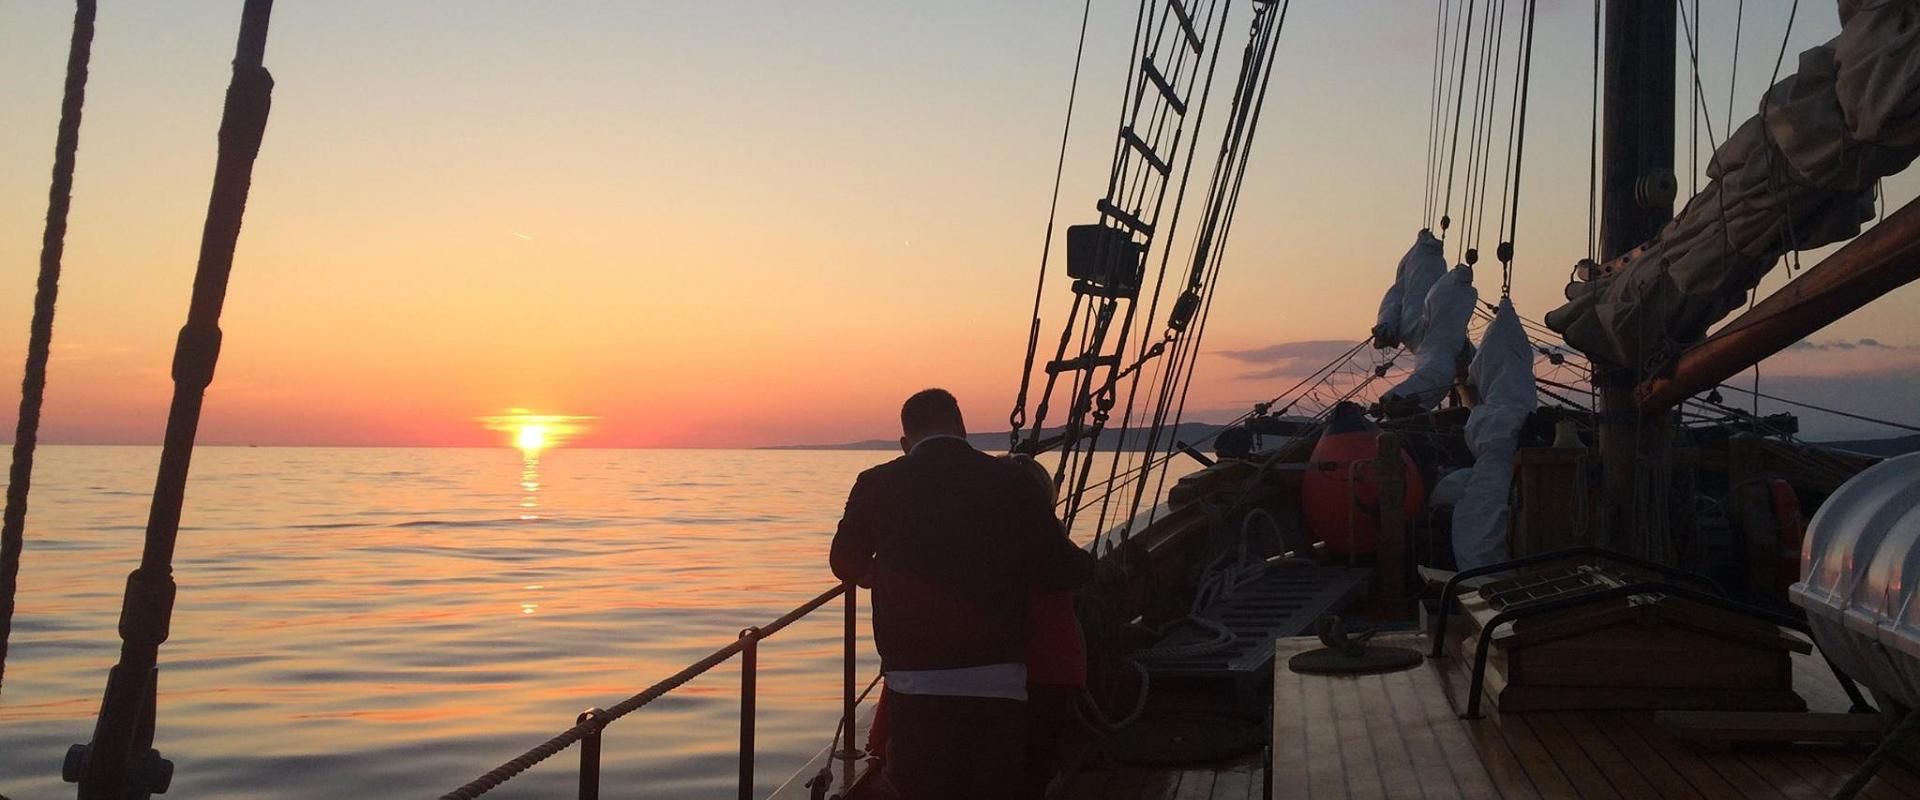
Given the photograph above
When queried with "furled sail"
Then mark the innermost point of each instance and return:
(1799, 175)
(1403, 308)
(1443, 337)
(1502, 372)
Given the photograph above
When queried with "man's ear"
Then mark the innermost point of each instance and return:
(904, 447)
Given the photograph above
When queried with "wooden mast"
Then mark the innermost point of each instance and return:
(1637, 187)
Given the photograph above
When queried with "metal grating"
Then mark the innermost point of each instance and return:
(1282, 603)
(1535, 586)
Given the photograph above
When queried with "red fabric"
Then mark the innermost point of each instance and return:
(877, 733)
(1055, 654)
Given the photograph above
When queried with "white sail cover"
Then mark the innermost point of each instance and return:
(1448, 308)
(1403, 308)
(1798, 175)
(1502, 372)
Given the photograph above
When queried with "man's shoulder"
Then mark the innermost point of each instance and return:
(880, 473)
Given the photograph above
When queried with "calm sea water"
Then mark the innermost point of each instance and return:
(393, 622)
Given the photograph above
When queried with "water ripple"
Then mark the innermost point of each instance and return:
(389, 622)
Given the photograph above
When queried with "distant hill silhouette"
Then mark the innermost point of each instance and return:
(1896, 446)
(1198, 434)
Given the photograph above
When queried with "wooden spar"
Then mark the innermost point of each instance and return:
(1884, 258)
(1636, 200)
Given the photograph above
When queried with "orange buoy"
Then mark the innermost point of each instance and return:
(1793, 532)
(1339, 496)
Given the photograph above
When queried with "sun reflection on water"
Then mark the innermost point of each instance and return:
(529, 485)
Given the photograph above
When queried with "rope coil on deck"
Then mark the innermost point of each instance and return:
(567, 738)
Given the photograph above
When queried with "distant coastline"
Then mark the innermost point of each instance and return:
(1198, 434)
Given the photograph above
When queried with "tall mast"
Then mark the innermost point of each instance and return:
(1637, 187)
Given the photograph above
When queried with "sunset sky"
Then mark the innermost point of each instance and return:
(713, 224)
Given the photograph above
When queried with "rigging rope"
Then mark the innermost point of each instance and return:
(33, 382)
(1019, 416)
(1492, 28)
(1519, 148)
(1694, 102)
(1229, 175)
(1593, 148)
(1733, 72)
(1433, 111)
(1836, 412)
(1147, 349)
(1459, 104)
(1699, 91)
(1129, 187)
(120, 760)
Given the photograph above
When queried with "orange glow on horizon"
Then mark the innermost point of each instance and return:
(532, 432)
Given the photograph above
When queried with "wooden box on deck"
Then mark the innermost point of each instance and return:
(1644, 652)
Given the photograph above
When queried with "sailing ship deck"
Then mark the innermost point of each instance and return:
(1399, 735)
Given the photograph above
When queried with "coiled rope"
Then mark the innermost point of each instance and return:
(39, 341)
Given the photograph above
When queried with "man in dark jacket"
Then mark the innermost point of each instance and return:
(953, 541)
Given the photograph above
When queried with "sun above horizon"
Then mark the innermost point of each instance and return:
(532, 433)
(530, 437)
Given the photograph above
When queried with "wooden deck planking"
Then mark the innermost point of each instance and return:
(1573, 762)
(1235, 780)
(1195, 784)
(1518, 741)
(1326, 769)
(1497, 773)
(1142, 783)
(1893, 781)
(1677, 777)
(1801, 762)
(1724, 766)
(1361, 763)
(1628, 778)
(1235, 784)
(1394, 758)
(1399, 735)
(1410, 727)
(1796, 786)
(1290, 754)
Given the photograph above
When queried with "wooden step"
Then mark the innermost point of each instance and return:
(1721, 728)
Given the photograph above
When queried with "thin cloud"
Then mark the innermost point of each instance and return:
(1288, 358)
(1842, 345)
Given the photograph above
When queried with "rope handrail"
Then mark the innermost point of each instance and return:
(567, 738)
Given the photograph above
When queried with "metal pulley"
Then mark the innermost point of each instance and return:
(1182, 314)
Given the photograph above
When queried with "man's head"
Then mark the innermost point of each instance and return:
(929, 412)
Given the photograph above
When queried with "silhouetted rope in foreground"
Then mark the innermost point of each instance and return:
(33, 383)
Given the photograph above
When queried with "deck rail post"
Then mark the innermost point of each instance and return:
(749, 675)
(848, 750)
(589, 728)
(590, 753)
